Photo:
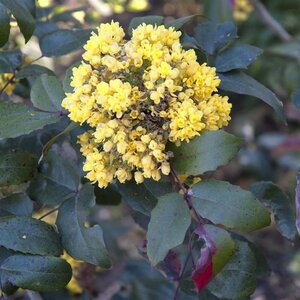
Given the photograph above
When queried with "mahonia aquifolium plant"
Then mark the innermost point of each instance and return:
(136, 96)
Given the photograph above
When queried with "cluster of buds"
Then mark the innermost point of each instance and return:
(137, 95)
(241, 9)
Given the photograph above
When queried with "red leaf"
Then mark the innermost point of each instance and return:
(203, 272)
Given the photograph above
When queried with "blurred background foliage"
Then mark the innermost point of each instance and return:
(272, 150)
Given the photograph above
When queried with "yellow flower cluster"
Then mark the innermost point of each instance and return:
(4, 78)
(242, 9)
(136, 96)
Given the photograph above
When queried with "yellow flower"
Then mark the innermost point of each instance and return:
(73, 286)
(242, 9)
(4, 78)
(137, 95)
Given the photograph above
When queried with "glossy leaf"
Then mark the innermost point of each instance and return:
(241, 83)
(238, 56)
(137, 197)
(178, 23)
(10, 60)
(47, 93)
(135, 22)
(58, 180)
(16, 204)
(225, 247)
(217, 250)
(211, 36)
(28, 235)
(205, 153)
(159, 188)
(203, 272)
(81, 242)
(33, 71)
(18, 119)
(39, 273)
(169, 222)
(107, 196)
(63, 41)
(237, 280)
(272, 196)
(6, 287)
(53, 140)
(4, 25)
(229, 205)
(68, 77)
(16, 168)
(23, 17)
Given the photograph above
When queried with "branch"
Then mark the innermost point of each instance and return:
(10, 81)
(268, 20)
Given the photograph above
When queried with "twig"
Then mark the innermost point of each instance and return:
(10, 81)
(268, 20)
(49, 213)
(186, 196)
(183, 270)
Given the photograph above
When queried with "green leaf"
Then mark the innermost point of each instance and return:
(225, 247)
(49, 144)
(58, 180)
(137, 197)
(135, 22)
(272, 196)
(81, 242)
(6, 287)
(63, 41)
(4, 25)
(240, 83)
(211, 36)
(36, 272)
(28, 235)
(178, 23)
(47, 93)
(18, 119)
(263, 269)
(238, 56)
(169, 222)
(23, 17)
(205, 153)
(159, 188)
(33, 71)
(188, 42)
(16, 168)
(16, 204)
(68, 77)
(229, 205)
(29, 5)
(10, 60)
(107, 196)
(237, 280)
